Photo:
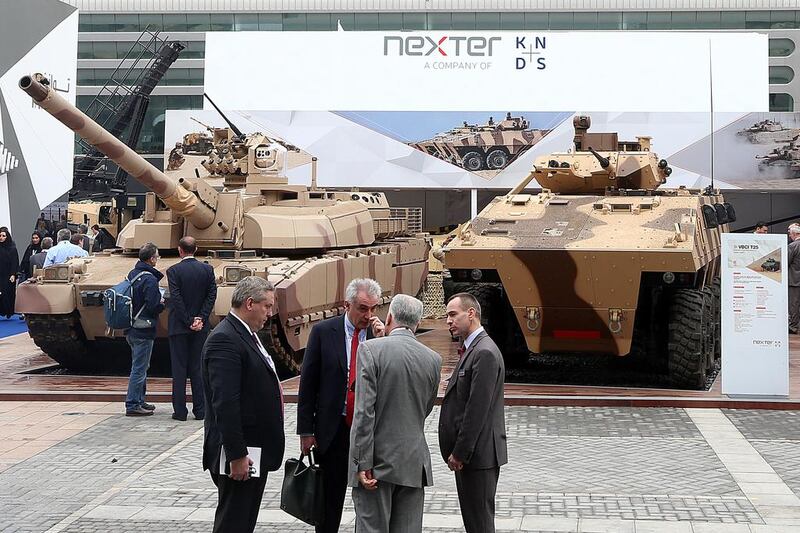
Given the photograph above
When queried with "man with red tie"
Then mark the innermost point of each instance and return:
(326, 398)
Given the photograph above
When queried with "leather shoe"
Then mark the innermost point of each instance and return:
(149, 406)
(138, 411)
(176, 416)
(201, 417)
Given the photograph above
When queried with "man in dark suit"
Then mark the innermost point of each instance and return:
(472, 429)
(244, 407)
(794, 279)
(192, 292)
(37, 259)
(326, 398)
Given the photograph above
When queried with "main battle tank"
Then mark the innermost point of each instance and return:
(490, 146)
(785, 158)
(602, 261)
(767, 132)
(309, 242)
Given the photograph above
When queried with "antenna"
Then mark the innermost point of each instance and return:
(233, 127)
(711, 102)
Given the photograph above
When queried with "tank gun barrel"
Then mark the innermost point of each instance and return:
(206, 126)
(177, 198)
(231, 125)
(604, 162)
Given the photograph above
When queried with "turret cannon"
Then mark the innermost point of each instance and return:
(310, 242)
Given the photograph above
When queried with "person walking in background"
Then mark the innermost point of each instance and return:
(33, 248)
(397, 379)
(794, 279)
(472, 430)
(146, 305)
(86, 241)
(761, 228)
(64, 250)
(37, 260)
(326, 398)
(9, 265)
(244, 407)
(102, 239)
(192, 293)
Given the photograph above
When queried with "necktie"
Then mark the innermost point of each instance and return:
(270, 363)
(351, 386)
(461, 351)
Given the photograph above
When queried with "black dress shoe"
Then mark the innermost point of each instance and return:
(176, 416)
(201, 417)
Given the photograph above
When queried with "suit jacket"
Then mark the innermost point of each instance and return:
(243, 399)
(794, 263)
(192, 292)
(472, 421)
(396, 385)
(37, 261)
(323, 381)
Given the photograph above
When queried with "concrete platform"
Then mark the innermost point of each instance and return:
(18, 354)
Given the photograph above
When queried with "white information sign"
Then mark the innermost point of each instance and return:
(470, 71)
(755, 336)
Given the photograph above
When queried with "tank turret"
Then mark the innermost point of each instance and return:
(309, 242)
(599, 161)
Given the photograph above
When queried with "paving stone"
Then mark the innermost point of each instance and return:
(759, 424)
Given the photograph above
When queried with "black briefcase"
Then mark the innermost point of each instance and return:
(302, 494)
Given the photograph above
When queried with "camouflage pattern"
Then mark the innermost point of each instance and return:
(491, 146)
(572, 267)
(317, 241)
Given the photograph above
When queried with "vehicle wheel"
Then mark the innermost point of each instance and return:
(472, 161)
(496, 159)
(61, 337)
(685, 341)
(716, 298)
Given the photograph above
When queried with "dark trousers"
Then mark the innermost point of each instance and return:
(476, 492)
(794, 309)
(184, 353)
(237, 504)
(334, 463)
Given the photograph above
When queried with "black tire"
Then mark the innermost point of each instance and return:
(716, 301)
(472, 161)
(685, 342)
(496, 159)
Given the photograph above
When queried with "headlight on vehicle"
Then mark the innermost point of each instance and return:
(234, 274)
(57, 273)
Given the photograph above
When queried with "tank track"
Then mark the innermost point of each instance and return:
(61, 337)
(287, 361)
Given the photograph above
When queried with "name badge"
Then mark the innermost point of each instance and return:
(462, 373)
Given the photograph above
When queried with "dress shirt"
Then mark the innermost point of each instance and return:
(62, 252)
(471, 337)
(349, 330)
(264, 352)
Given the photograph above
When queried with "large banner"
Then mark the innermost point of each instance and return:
(37, 149)
(475, 71)
(474, 110)
(755, 337)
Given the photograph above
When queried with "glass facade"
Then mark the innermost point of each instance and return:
(780, 75)
(463, 21)
(781, 102)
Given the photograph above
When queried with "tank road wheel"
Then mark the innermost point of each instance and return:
(287, 361)
(496, 159)
(688, 323)
(472, 161)
(61, 337)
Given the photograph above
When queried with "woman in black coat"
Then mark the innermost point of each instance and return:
(33, 248)
(9, 265)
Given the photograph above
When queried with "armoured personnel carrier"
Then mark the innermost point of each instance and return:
(490, 146)
(602, 261)
(771, 265)
(309, 242)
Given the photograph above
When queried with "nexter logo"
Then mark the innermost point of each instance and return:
(767, 343)
(416, 45)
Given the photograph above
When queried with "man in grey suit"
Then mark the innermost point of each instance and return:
(794, 279)
(396, 385)
(472, 428)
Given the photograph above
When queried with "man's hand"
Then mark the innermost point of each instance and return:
(454, 464)
(366, 480)
(377, 326)
(240, 469)
(306, 443)
(197, 324)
